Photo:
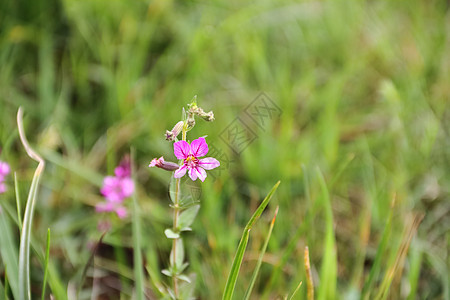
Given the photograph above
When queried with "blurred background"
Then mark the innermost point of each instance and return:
(354, 110)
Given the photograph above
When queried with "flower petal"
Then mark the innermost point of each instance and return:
(208, 163)
(127, 187)
(201, 173)
(181, 149)
(180, 172)
(193, 174)
(110, 181)
(153, 163)
(4, 168)
(104, 207)
(121, 212)
(3, 188)
(199, 147)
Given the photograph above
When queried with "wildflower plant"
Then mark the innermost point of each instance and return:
(193, 163)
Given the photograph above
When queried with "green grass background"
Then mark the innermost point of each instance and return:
(364, 89)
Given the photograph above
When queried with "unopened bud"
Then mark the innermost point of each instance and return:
(207, 116)
(190, 121)
(171, 135)
(161, 163)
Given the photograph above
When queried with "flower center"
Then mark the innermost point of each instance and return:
(191, 161)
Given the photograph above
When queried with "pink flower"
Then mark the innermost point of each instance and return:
(190, 155)
(124, 168)
(4, 170)
(120, 210)
(116, 189)
(3, 187)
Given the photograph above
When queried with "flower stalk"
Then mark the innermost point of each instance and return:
(176, 213)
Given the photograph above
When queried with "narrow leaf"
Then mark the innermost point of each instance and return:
(137, 239)
(88, 264)
(376, 267)
(8, 252)
(3, 291)
(296, 290)
(309, 279)
(261, 256)
(25, 237)
(234, 272)
(328, 272)
(19, 209)
(47, 256)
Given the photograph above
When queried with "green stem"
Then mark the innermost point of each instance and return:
(176, 214)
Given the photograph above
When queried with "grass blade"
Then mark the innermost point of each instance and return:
(47, 256)
(261, 256)
(328, 272)
(8, 253)
(137, 239)
(296, 290)
(234, 272)
(397, 268)
(19, 209)
(376, 267)
(414, 271)
(25, 237)
(309, 279)
(4, 291)
(89, 263)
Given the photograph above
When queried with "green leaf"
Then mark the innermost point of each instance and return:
(187, 287)
(19, 210)
(328, 273)
(137, 238)
(3, 291)
(187, 191)
(261, 256)
(25, 237)
(379, 256)
(234, 272)
(170, 234)
(177, 265)
(187, 217)
(8, 252)
(184, 278)
(167, 272)
(47, 255)
(89, 263)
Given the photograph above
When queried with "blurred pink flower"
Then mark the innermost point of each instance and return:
(116, 189)
(4, 170)
(190, 155)
(120, 210)
(3, 188)
(124, 168)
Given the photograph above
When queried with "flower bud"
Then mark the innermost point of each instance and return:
(207, 116)
(171, 135)
(161, 163)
